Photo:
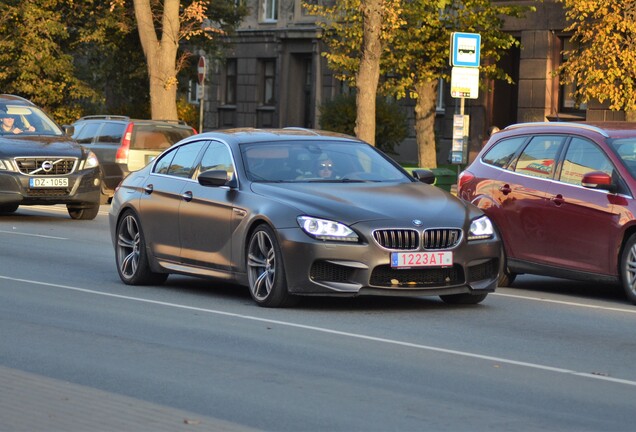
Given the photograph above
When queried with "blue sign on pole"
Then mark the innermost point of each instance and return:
(465, 49)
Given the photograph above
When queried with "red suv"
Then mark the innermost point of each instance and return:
(562, 197)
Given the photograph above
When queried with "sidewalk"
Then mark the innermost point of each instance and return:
(33, 403)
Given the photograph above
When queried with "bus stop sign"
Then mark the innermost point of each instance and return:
(465, 49)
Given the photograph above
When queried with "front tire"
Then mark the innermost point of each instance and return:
(8, 208)
(131, 256)
(87, 213)
(506, 277)
(628, 268)
(266, 271)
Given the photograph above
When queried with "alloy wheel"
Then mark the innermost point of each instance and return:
(128, 242)
(261, 264)
(630, 270)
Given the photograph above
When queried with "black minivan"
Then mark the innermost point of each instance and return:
(123, 145)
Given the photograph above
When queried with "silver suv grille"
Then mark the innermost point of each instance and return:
(43, 166)
(409, 239)
(441, 238)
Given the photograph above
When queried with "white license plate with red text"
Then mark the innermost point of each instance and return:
(421, 259)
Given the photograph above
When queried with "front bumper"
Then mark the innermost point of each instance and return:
(342, 269)
(83, 189)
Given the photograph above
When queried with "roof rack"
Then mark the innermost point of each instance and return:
(167, 121)
(556, 124)
(105, 117)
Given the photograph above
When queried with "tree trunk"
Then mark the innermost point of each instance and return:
(425, 123)
(161, 56)
(368, 74)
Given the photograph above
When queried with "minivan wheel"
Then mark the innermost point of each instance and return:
(131, 256)
(628, 268)
(104, 198)
(83, 213)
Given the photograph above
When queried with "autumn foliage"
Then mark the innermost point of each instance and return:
(603, 64)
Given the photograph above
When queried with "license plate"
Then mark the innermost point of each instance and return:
(48, 182)
(421, 259)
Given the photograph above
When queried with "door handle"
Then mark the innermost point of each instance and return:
(187, 196)
(148, 189)
(505, 189)
(557, 199)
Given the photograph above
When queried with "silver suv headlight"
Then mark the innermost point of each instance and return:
(91, 161)
(5, 165)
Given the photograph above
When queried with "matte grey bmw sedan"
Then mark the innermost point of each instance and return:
(295, 212)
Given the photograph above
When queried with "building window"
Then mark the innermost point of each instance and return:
(269, 69)
(567, 103)
(230, 82)
(194, 92)
(269, 10)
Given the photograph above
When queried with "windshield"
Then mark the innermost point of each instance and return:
(29, 120)
(318, 161)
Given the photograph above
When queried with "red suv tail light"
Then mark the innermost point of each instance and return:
(122, 152)
(464, 177)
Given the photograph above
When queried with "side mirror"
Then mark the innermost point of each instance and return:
(68, 130)
(425, 176)
(598, 180)
(213, 178)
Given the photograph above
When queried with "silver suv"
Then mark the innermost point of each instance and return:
(123, 145)
(41, 165)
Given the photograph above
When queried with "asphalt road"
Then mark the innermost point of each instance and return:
(79, 350)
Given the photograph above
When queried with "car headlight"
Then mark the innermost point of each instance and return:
(5, 165)
(91, 161)
(323, 229)
(480, 229)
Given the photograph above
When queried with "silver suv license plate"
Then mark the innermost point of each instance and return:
(48, 182)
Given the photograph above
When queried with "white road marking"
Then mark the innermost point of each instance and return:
(33, 235)
(563, 302)
(499, 360)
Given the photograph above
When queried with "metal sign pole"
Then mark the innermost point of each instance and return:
(201, 104)
(201, 69)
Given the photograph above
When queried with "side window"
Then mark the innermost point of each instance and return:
(582, 157)
(217, 157)
(185, 159)
(163, 163)
(539, 156)
(86, 133)
(111, 133)
(503, 152)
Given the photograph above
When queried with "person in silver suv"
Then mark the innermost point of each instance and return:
(41, 165)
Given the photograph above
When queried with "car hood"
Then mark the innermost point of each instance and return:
(353, 203)
(38, 145)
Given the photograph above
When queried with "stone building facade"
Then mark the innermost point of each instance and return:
(274, 75)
